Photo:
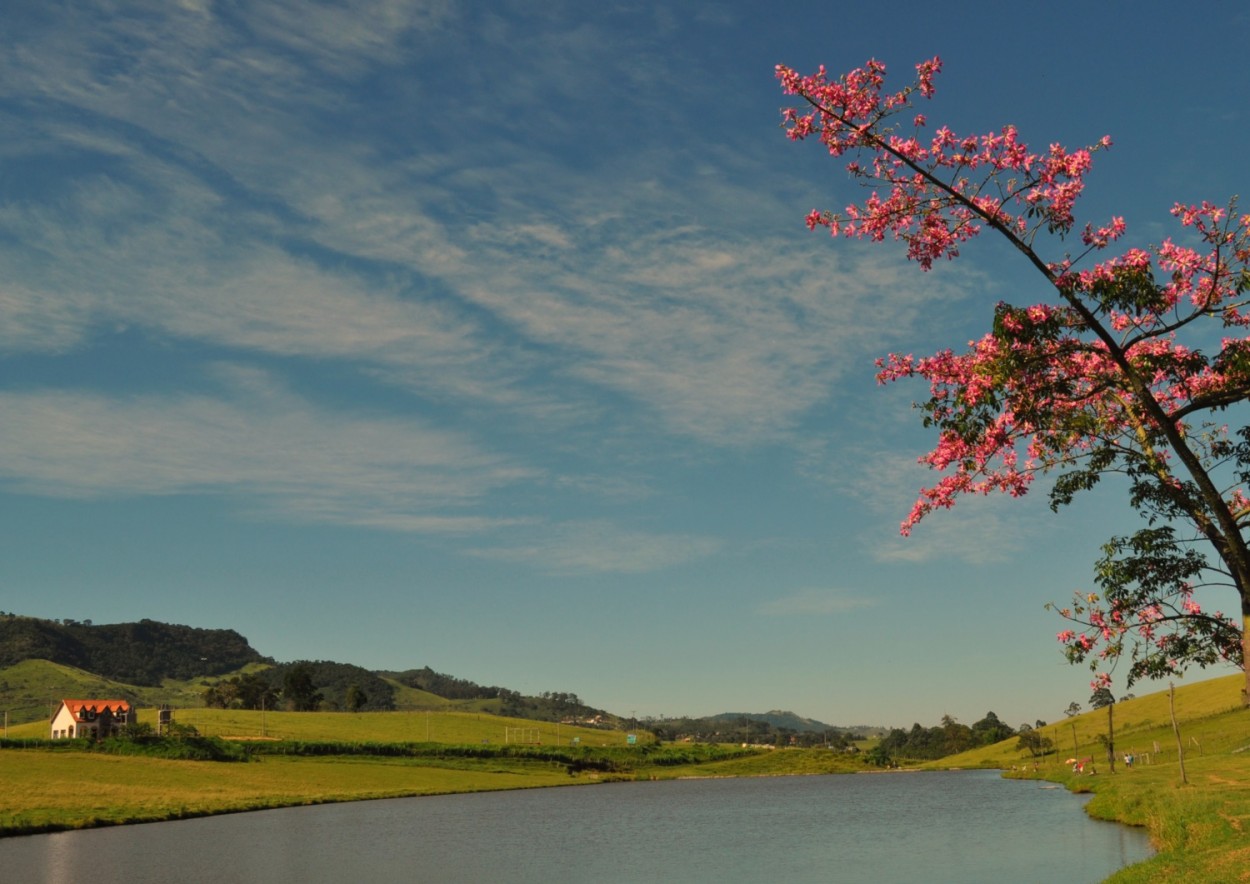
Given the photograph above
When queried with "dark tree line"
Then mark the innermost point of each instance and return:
(446, 686)
(948, 738)
(548, 706)
(746, 729)
(248, 691)
(305, 686)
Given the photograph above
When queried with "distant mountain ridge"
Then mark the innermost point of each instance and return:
(778, 718)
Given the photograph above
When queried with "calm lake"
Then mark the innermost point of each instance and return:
(961, 827)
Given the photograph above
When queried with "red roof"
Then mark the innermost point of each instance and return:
(114, 707)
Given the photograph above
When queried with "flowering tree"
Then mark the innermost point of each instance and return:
(1124, 369)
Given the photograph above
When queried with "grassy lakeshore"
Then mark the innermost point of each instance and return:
(1201, 829)
(50, 791)
(329, 757)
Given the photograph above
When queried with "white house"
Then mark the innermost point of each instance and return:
(94, 719)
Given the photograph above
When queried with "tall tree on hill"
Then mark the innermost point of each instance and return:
(355, 698)
(299, 690)
(991, 729)
(1124, 370)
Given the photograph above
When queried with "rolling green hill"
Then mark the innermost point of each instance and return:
(30, 690)
(152, 664)
(777, 718)
(1211, 713)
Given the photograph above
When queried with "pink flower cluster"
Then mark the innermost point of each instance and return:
(938, 192)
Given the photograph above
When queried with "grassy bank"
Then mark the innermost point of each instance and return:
(54, 786)
(48, 791)
(1201, 829)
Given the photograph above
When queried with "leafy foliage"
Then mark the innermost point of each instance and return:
(251, 690)
(1032, 741)
(1147, 610)
(323, 684)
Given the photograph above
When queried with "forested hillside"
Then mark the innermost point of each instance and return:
(303, 686)
(143, 653)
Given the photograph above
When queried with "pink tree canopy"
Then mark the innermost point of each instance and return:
(1113, 373)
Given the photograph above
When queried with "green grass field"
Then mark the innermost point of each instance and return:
(60, 790)
(381, 727)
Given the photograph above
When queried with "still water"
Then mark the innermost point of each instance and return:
(961, 827)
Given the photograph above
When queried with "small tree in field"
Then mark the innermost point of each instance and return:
(1125, 369)
(1031, 741)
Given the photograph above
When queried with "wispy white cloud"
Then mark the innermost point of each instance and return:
(979, 531)
(816, 602)
(344, 38)
(600, 547)
(724, 342)
(886, 483)
(34, 323)
(280, 457)
(267, 447)
(721, 335)
(230, 201)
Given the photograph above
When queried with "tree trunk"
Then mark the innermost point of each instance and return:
(1245, 649)
(1176, 729)
(1111, 736)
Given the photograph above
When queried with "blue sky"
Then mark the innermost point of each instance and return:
(489, 337)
